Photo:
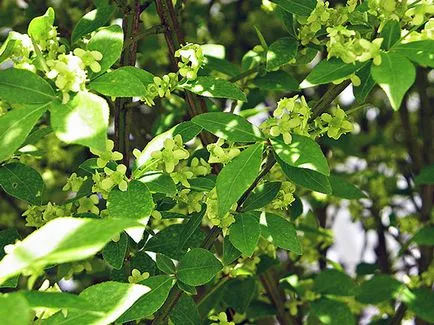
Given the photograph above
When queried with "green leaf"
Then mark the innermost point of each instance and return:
(378, 289)
(159, 182)
(57, 300)
(420, 302)
(391, 33)
(426, 176)
(230, 253)
(424, 237)
(334, 282)
(134, 203)
(92, 21)
(215, 88)
(188, 130)
(395, 75)
(203, 184)
(245, 231)
(144, 76)
(83, 120)
(276, 81)
(261, 196)
(420, 52)
(152, 301)
(198, 267)
(328, 71)
(342, 188)
(14, 310)
(281, 52)
(297, 7)
(109, 41)
(61, 240)
(228, 126)
(22, 182)
(236, 177)
(24, 87)
(367, 83)
(114, 252)
(306, 178)
(191, 226)
(185, 312)
(119, 83)
(186, 288)
(302, 152)
(332, 312)
(111, 299)
(15, 126)
(240, 293)
(40, 26)
(221, 65)
(7, 48)
(165, 264)
(167, 241)
(283, 233)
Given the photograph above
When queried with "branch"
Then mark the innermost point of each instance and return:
(154, 30)
(130, 26)
(399, 315)
(331, 94)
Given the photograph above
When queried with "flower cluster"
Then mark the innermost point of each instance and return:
(107, 155)
(212, 212)
(191, 60)
(335, 124)
(37, 216)
(290, 117)
(220, 319)
(284, 197)
(172, 153)
(221, 155)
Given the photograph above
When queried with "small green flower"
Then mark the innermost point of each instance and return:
(191, 60)
(337, 123)
(89, 58)
(88, 204)
(136, 276)
(107, 155)
(172, 153)
(115, 178)
(74, 183)
(221, 155)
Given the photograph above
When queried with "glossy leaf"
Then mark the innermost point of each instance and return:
(109, 42)
(198, 267)
(61, 240)
(420, 52)
(114, 252)
(228, 126)
(334, 282)
(367, 83)
(215, 88)
(332, 312)
(111, 299)
(236, 177)
(83, 120)
(185, 312)
(14, 310)
(165, 264)
(276, 81)
(158, 182)
(302, 152)
(134, 203)
(92, 21)
(22, 182)
(306, 178)
(261, 196)
(390, 33)
(148, 304)
(281, 52)
(245, 231)
(283, 233)
(395, 75)
(378, 289)
(342, 188)
(297, 7)
(328, 71)
(24, 87)
(119, 83)
(15, 126)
